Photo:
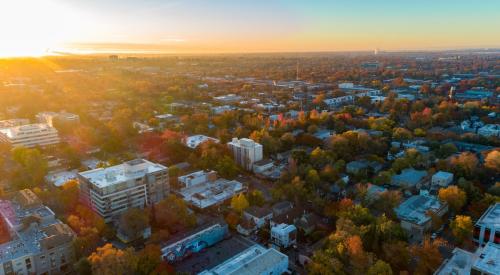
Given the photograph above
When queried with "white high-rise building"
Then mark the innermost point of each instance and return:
(111, 191)
(30, 135)
(246, 152)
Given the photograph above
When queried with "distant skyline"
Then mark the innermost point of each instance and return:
(33, 27)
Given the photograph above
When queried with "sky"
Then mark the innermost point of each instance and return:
(205, 26)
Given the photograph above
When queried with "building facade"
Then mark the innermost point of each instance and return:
(30, 135)
(111, 191)
(487, 228)
(39, 243)
(246, 152)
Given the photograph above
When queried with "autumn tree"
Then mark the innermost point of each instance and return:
(454, 197)
(427, 255)
(133, 222)
(492, 161)
(239, 203)
(380, 268)
(107, 260)
(462, 228)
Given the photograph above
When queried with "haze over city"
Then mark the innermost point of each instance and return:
(38, 27)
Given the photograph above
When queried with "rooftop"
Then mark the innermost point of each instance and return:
(415, 208)
(459, 264)
(194, 141)
(26, 130)
(211, 193)
(491, 217)
(254, 260)
(442, 175)
(409, 176)
(138, 168)
(489, 259)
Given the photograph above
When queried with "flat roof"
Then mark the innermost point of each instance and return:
(415, 208)
(489, 259)
(254, 260)
(27, 129)
(459, 264)
(138, 168)
(491, 217)
(211, 193)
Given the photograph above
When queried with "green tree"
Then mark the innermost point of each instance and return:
(380, 268)
(256, 197)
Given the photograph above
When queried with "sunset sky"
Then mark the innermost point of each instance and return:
(33, 27)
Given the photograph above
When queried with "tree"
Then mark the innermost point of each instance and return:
(401, 134)
(465, 164)
(256, 197)
(226, 167)
(133, 222)
(453, 196)
(492, 161)
(428, 256)
(462, 228)
(109, 260)
(397, 254)
(148, 260)
(172, 214)
(239, 203)
(32, 167)
(380, 268)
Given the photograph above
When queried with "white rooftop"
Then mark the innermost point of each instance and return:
(491, 217)
(459, 264)
(26, 130)
(442, 175)
(212, 192)
(254, 260)
(138, 168)
(489, 259)
(196, 140)
(415, 208)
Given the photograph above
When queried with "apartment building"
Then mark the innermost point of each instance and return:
(39, 243)
(111, 191)
(30, 135)
(246, 152)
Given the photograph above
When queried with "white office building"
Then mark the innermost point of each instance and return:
(30, 135)
(246, 152)
(111, 191)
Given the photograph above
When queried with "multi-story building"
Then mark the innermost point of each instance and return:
(136, 183)
(246, 152)
(255, 260)
(442, 179)
(30, 135)
(414, 214)
(487, 228)
(484, 261)
(38, 242)
(284, 235)
(13, 122)
(50, 117)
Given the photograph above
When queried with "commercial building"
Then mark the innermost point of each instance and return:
(414, 214)
(202, 189)
(255, 260)
(484, 261)
(284, 235)
(63, 117)
(111, 191)
(246, 152)
(194, 141)
(442, 179)
(30, 135)
(195, 241)
(39, 243)
(13, 122)
(487, 228)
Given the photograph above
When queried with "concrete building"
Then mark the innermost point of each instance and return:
(39, 243)
(488, 260)
(63, 117)
(487, 228)
(255, 260)
(111, 191)
(460, 263)
(284, 235)
(442, 179)
(194, 141)
(246, 152)
(414, 217)
(203, 189)
(30, 135)
(13, 122)
(263, 165)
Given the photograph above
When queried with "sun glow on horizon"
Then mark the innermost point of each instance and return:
(33, 28)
